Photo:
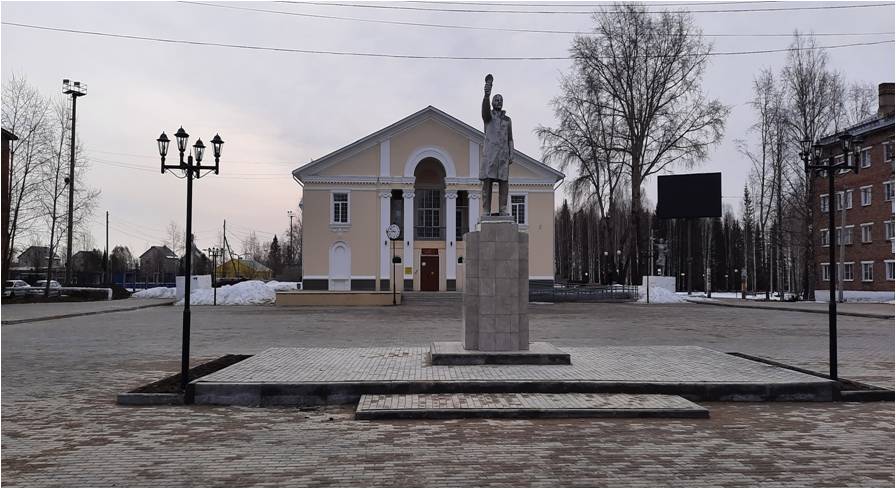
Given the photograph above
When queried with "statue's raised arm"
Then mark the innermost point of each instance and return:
(486, 109)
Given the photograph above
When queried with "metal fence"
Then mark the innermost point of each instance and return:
(584, 293)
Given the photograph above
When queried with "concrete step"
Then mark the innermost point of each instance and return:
(526, 405)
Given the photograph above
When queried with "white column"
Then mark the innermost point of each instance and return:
(473, 209)
(451, 234)
(408, 231)
(474, 160)
(384, 243)
(385, 158)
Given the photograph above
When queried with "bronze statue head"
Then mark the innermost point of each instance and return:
(497, 102)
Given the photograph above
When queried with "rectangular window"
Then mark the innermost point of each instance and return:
(844, 195)
(824, 203)
(866, 195)
(844, 236)
(888, 151)
(866, 232)
(890, 267)
(825, 237)
(865, 158)
(429, 214)
(518, 208)
(888, 230)
(340, 208)
(462, 215)
(825, 272)
(839, 201)
(888, 191)
(867, 271)
(847, 271)
(849, 199)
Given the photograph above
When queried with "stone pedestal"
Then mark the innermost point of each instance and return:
(496, 289)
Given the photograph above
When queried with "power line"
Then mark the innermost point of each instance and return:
(482, 28)
(579, 12)
(253, 162)
(581, 4)
(407, 56)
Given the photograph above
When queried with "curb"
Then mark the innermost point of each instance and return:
(793, 309)
(78, 314)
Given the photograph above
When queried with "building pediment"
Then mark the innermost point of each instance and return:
(363, 160)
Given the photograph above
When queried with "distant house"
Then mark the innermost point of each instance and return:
(240, 268)
(159, 264)
(36, 257)
(87, 267)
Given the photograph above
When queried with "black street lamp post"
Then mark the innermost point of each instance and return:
(848, 144)
(190, 171)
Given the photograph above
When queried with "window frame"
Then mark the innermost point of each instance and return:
(825, 235)
(862, 190)
(865, 157)
(870, 267)
(888, 226)
(867, 226)
(525, 204)
(348, 208)
(825, 202)
(851, 275)
(888, 196)
(825, 270)
(890, 270)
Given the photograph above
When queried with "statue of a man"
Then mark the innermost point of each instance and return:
(497, 150)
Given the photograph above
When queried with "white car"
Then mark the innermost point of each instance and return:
(41, 285)
(16, 288)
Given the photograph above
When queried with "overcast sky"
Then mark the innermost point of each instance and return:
(277, 111)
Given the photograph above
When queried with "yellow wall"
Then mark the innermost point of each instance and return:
(366, 163)
(430, 133)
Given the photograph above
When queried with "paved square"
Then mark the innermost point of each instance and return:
(61, 426)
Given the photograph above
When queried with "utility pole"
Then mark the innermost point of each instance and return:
(106, 267)
(75, 89)
(291, 215)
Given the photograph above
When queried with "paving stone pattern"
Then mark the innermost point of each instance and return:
(374, 402)
(60, 426)
(634, 364)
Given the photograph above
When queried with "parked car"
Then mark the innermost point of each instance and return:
(40, 286)
(16, 288)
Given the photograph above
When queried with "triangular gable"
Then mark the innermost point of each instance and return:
(412, 120)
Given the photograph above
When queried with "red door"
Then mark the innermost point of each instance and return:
(429, 270)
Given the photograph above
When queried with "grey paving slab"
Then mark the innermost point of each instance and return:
(526, 405)
(670, 364)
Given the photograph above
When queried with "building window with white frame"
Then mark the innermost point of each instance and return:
(865, 158)
(888, 151)
(865, 193)
(518, 208)
(825, 237)
(824, 203)
(890, 267)
(847, 271)
(845, 195)
(844, 235)
(888, 191)
(340, 208)
(888, 230)
(867, 271)
(866, 232)
(848, 195)
(826, 272)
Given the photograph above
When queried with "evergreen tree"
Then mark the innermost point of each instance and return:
(275, 258)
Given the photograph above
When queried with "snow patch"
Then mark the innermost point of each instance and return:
(658, 295)
(282, 286)
(156, 293)
(250, 292)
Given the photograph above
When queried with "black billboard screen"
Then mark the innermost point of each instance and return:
(684, 196)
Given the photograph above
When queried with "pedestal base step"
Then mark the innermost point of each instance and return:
(539, 353)
(526, 405)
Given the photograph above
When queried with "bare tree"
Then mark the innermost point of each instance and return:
(174, 238)
(813, 93)
(857, 102)
(648, 68)
(26, 113)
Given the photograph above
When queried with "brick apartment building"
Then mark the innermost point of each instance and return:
(866, 226)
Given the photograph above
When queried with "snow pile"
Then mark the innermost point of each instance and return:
(658, 295)
(251, 292)
(156, 293)
(282, 286)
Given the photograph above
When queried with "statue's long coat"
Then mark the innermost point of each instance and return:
(495, 161)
